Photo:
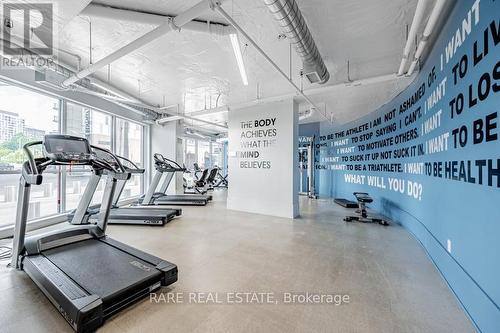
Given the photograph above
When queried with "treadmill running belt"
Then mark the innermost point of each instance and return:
(139, 213)
(181, 197)
(99, 268)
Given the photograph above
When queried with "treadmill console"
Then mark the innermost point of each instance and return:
(67, 149)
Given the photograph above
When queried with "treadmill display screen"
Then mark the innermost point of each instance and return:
(66, 145)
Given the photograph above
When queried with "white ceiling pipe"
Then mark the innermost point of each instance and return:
(219, 109)
(315, 91)
(429, 28)
(122, 14)
(169, 119)
(174, 118)
(204, 129)
(176, 106)
(229, 19)
(415, 25)
(413, 65)
(172, 115)
(95, 93)
(114, 91)
(163, 29)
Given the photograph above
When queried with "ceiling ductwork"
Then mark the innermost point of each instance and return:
(293, 25)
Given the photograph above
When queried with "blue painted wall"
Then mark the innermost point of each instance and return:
(450, 164)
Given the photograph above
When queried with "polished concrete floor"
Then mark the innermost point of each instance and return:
(390, 283)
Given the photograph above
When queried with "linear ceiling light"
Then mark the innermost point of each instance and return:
(239, 57)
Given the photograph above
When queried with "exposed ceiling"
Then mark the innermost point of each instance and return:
(198, 70)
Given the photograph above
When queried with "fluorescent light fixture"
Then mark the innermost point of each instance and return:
(239, 57)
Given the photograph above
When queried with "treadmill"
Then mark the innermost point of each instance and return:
(164, 165)
(119, 215)
(85, 274)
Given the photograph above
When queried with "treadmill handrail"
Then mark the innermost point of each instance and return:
(160, 159)
(31, 158)
(162, 164)
(177, 164)
(128, 160)
(135, 169)
(117, 161)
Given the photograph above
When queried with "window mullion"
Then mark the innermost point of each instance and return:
(63, 127)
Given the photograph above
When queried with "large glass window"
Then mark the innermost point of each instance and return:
(129, 144)
(96, 127)
(25, 116)
(207, 154)
(91, 124)
(217, 155)
(190, 153)
(204, 154)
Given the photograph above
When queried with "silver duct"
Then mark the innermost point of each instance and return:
(289, 17)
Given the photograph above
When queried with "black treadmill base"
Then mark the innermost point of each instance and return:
(170, 203)
(107, 277)
(178, 203)
(122, 216)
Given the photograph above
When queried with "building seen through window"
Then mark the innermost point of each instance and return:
(25, 116)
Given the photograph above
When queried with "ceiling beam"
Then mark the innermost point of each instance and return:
(168, 26)
(137, 16)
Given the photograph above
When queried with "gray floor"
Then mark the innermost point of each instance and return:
(392, 285)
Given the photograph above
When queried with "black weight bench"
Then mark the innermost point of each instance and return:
(345, 203)
(364, 199)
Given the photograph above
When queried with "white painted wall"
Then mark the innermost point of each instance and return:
(270, 191)
(164, 141)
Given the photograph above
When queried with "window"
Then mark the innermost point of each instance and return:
(217, 155)
(190, 153)
(207, 154)
(204, 154)
(25, 116)
(129, 144)
(95, 126)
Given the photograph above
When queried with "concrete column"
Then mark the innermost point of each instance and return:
(164, 141)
